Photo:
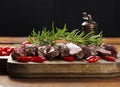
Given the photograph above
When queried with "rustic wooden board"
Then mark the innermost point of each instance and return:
(61, 68)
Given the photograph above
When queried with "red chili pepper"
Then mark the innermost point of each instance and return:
(38, 59)
(110, 58)
(26, 42)
(23, 58)
(93, 59)
(30, 58)
(68, 58)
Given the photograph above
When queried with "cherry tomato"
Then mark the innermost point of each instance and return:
(10, 49)
(1, 51)
(110, 58)
(68, 58)
(5, 48)
(93, 59)
(5, 53)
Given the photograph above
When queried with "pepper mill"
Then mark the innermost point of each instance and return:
(89, 25)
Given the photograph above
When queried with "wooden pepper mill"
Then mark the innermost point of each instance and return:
(89, 25)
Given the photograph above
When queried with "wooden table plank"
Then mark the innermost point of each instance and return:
(11, 40)
(112, 40)
(6, 81)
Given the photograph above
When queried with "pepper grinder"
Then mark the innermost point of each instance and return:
(89, 25)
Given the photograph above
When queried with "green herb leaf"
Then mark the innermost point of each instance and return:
(46, 37)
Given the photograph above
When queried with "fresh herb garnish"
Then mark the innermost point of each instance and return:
(46, 37)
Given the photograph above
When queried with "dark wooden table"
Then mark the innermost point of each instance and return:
(6, 81)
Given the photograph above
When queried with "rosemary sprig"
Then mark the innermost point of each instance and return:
(96, 39)
(46, 37)
(60, 33)
(34, 37)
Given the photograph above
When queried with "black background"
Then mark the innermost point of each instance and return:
(19, 17)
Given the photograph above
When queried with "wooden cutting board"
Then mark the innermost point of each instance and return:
(61, 68)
